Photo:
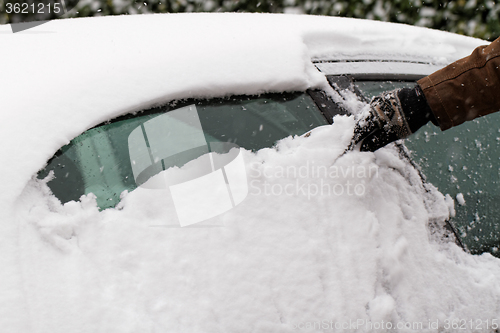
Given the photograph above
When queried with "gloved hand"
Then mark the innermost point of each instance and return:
(393, 115)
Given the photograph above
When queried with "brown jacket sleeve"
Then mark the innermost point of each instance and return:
(466, 89)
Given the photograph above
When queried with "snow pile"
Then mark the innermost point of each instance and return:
(317, 240)
(310, 255)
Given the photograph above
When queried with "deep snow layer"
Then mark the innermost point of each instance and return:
(292, 255)
(272, 264)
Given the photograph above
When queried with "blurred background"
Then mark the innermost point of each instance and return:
(477, 18)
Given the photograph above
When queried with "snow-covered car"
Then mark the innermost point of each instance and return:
(186, 173)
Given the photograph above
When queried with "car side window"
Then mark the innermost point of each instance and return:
(125, 152)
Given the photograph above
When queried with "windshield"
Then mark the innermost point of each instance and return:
(463, 162)
(127, 152)
(371, 89)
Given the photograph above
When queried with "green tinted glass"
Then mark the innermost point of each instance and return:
(123, 154)
(374, 88)
(465, 161)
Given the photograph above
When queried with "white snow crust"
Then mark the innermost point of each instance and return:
(275, 263)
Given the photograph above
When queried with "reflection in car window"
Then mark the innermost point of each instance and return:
(104, 159)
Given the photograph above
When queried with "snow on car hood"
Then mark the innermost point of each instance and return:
(279, 261)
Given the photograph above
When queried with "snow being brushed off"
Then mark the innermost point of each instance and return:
(275, 261)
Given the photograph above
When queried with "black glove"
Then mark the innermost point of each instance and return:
(393, 115)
